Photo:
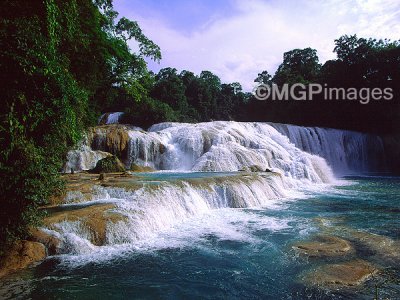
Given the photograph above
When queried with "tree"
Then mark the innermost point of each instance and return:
(170, 89)
(264, 77)
(298, 66)
(52, 93)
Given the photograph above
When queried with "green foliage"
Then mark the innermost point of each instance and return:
(41, 113)
(61, 63)
(299, 66)
(360, 63)
(148, 112)
(263, 77)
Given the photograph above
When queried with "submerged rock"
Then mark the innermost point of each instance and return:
(21, 255)
(324, 246)
(109, 164)
(380, 245)
(350, 273)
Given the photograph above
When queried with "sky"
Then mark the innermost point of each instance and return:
(236, 39)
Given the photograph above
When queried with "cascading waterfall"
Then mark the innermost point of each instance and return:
(154, 208)
(225, 147)
(83, 158)
(299, 156)
(345, 151)
(230, 146)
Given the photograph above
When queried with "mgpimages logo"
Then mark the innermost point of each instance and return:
(299, 91)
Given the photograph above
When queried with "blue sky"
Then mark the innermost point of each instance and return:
(238, 39)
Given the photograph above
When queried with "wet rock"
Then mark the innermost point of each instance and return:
(103, 119)
(162, 149)
(93, 219)
(50, 242)
(110, 138)
(324, 246)
(20, 255)
(109, 164)
(350, 273)
(253, 168)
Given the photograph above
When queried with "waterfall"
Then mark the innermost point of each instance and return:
(230, 146)
(346, 151)
(131, 216)
(110, 118)
(298, 152)
(300, 157)
(83, 158)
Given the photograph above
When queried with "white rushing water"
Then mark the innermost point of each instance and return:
(230, 146)
(83, 158)
(223, 146)
(347, 152)
(138, 215)
(302, 157)
(110, 118)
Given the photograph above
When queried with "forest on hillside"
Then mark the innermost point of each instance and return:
(64, 63)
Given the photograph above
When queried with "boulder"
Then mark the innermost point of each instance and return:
(109, 164)
(20, 255)
(110, 138)
(50, 242)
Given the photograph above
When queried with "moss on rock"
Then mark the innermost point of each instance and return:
(109, 164)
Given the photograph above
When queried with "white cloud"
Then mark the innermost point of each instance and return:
(239, 47)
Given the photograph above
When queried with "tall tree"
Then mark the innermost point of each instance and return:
(298, 66)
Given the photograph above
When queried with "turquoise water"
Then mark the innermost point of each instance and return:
(232, 253)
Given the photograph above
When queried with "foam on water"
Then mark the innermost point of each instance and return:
(152, 209)
(238, 225)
